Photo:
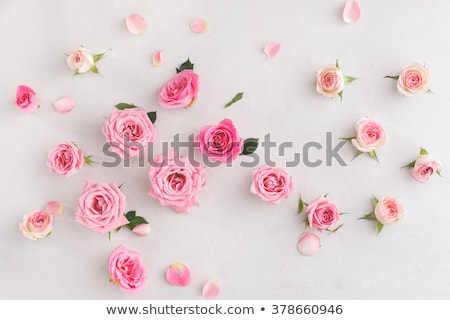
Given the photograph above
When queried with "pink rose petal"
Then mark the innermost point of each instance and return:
(211, 289)
(136, 24)
(199, 26)
(64, 105)
(178, 274)
(157, 58)
(352, 12)
(308, 244)
(271, 49)
(55, 208)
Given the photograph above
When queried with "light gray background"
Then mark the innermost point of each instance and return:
(232, 235)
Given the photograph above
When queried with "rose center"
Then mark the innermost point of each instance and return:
(176, 181)
(273, 184)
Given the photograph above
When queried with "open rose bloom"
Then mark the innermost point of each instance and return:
(181, 91)
(388, 210)
(65, 159)
(175, 181)
(322, 214)
(36, 225)
(127, 270)
(370, 135)
(26, 99)
(424, 167)
(413, 79)
(129, 131)
(219, 143)
(271, 184)
(330, 81)
(80, 60)
(101, 207)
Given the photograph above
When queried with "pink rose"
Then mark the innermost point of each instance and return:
(370, 135)
(176, 182)
(65, 159)
(424, 167)
(129, 131)
(36, 225)
(101, 207)
(413, 79)
(271, 184)
(26, 99)
(126, 269)
(181, 91)
(330, 81)
(80, 60)
(219, 143)
(388, 210)
(322, 214)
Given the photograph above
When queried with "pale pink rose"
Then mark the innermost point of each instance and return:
(142, 229)
(127, 270)
(65, 159)
(101, 207)
(36, 225)
(55, 208)
(388, 210)
(308, 244)
(26, 99)
(370, 135)
(129, 131)
(80, 60)
(413, 79)
(424, 167)
(181, 91)
(220, 142)
(330, 81)
(322, 214)
(272, 184)
(175, 181)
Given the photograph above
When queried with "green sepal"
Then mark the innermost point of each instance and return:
(235, 99)
(123, 106)
(409, 165)
(349, 139)
(98, 56)
(357, 154)
(337, 64)
(379, 227)
(250, 146)
(152, 116)
(423, 152)
(348, 79)
(94, 69)
(392, 77)
(335, 229)
(373, 155)
(374, 201)
(88, 160)
(340, 94)
(187, 65)
(301, 206)
(370, 216)
(134, 220)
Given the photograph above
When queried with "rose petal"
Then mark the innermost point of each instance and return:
(308, 244)
(157, 58)
(136, 24)
(352, 12)
(211, 289)
(55, 208)
(271, 49)
(64, 105)
(142, 229)
(199, 26)
(178, 274)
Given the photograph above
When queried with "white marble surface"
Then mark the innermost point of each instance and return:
(232, 235)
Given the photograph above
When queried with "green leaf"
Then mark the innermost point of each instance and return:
(152, 116)
(94, 69)
(337, 64)
(340, 94)
(138, 220)
(370, 216)
(123, 106)
(348, 79)
(374, 201)
(423, 152)
(409, 165)
(88, 160)
(392, 77)
(235, 99)
(379, 227)
(98, 56)
(130, 215)
(301, 205)
(187, 65)
(336, 229)
(373, 155)
(250, 146)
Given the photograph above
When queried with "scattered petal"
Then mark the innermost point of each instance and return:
(308, 244)
(271, 49)
(352, 12)
(143, 229)
(199, 26)
(136, 24)
(178, 274)
(211, 289)
(55, 208)
(158, 58)
(64, 105)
